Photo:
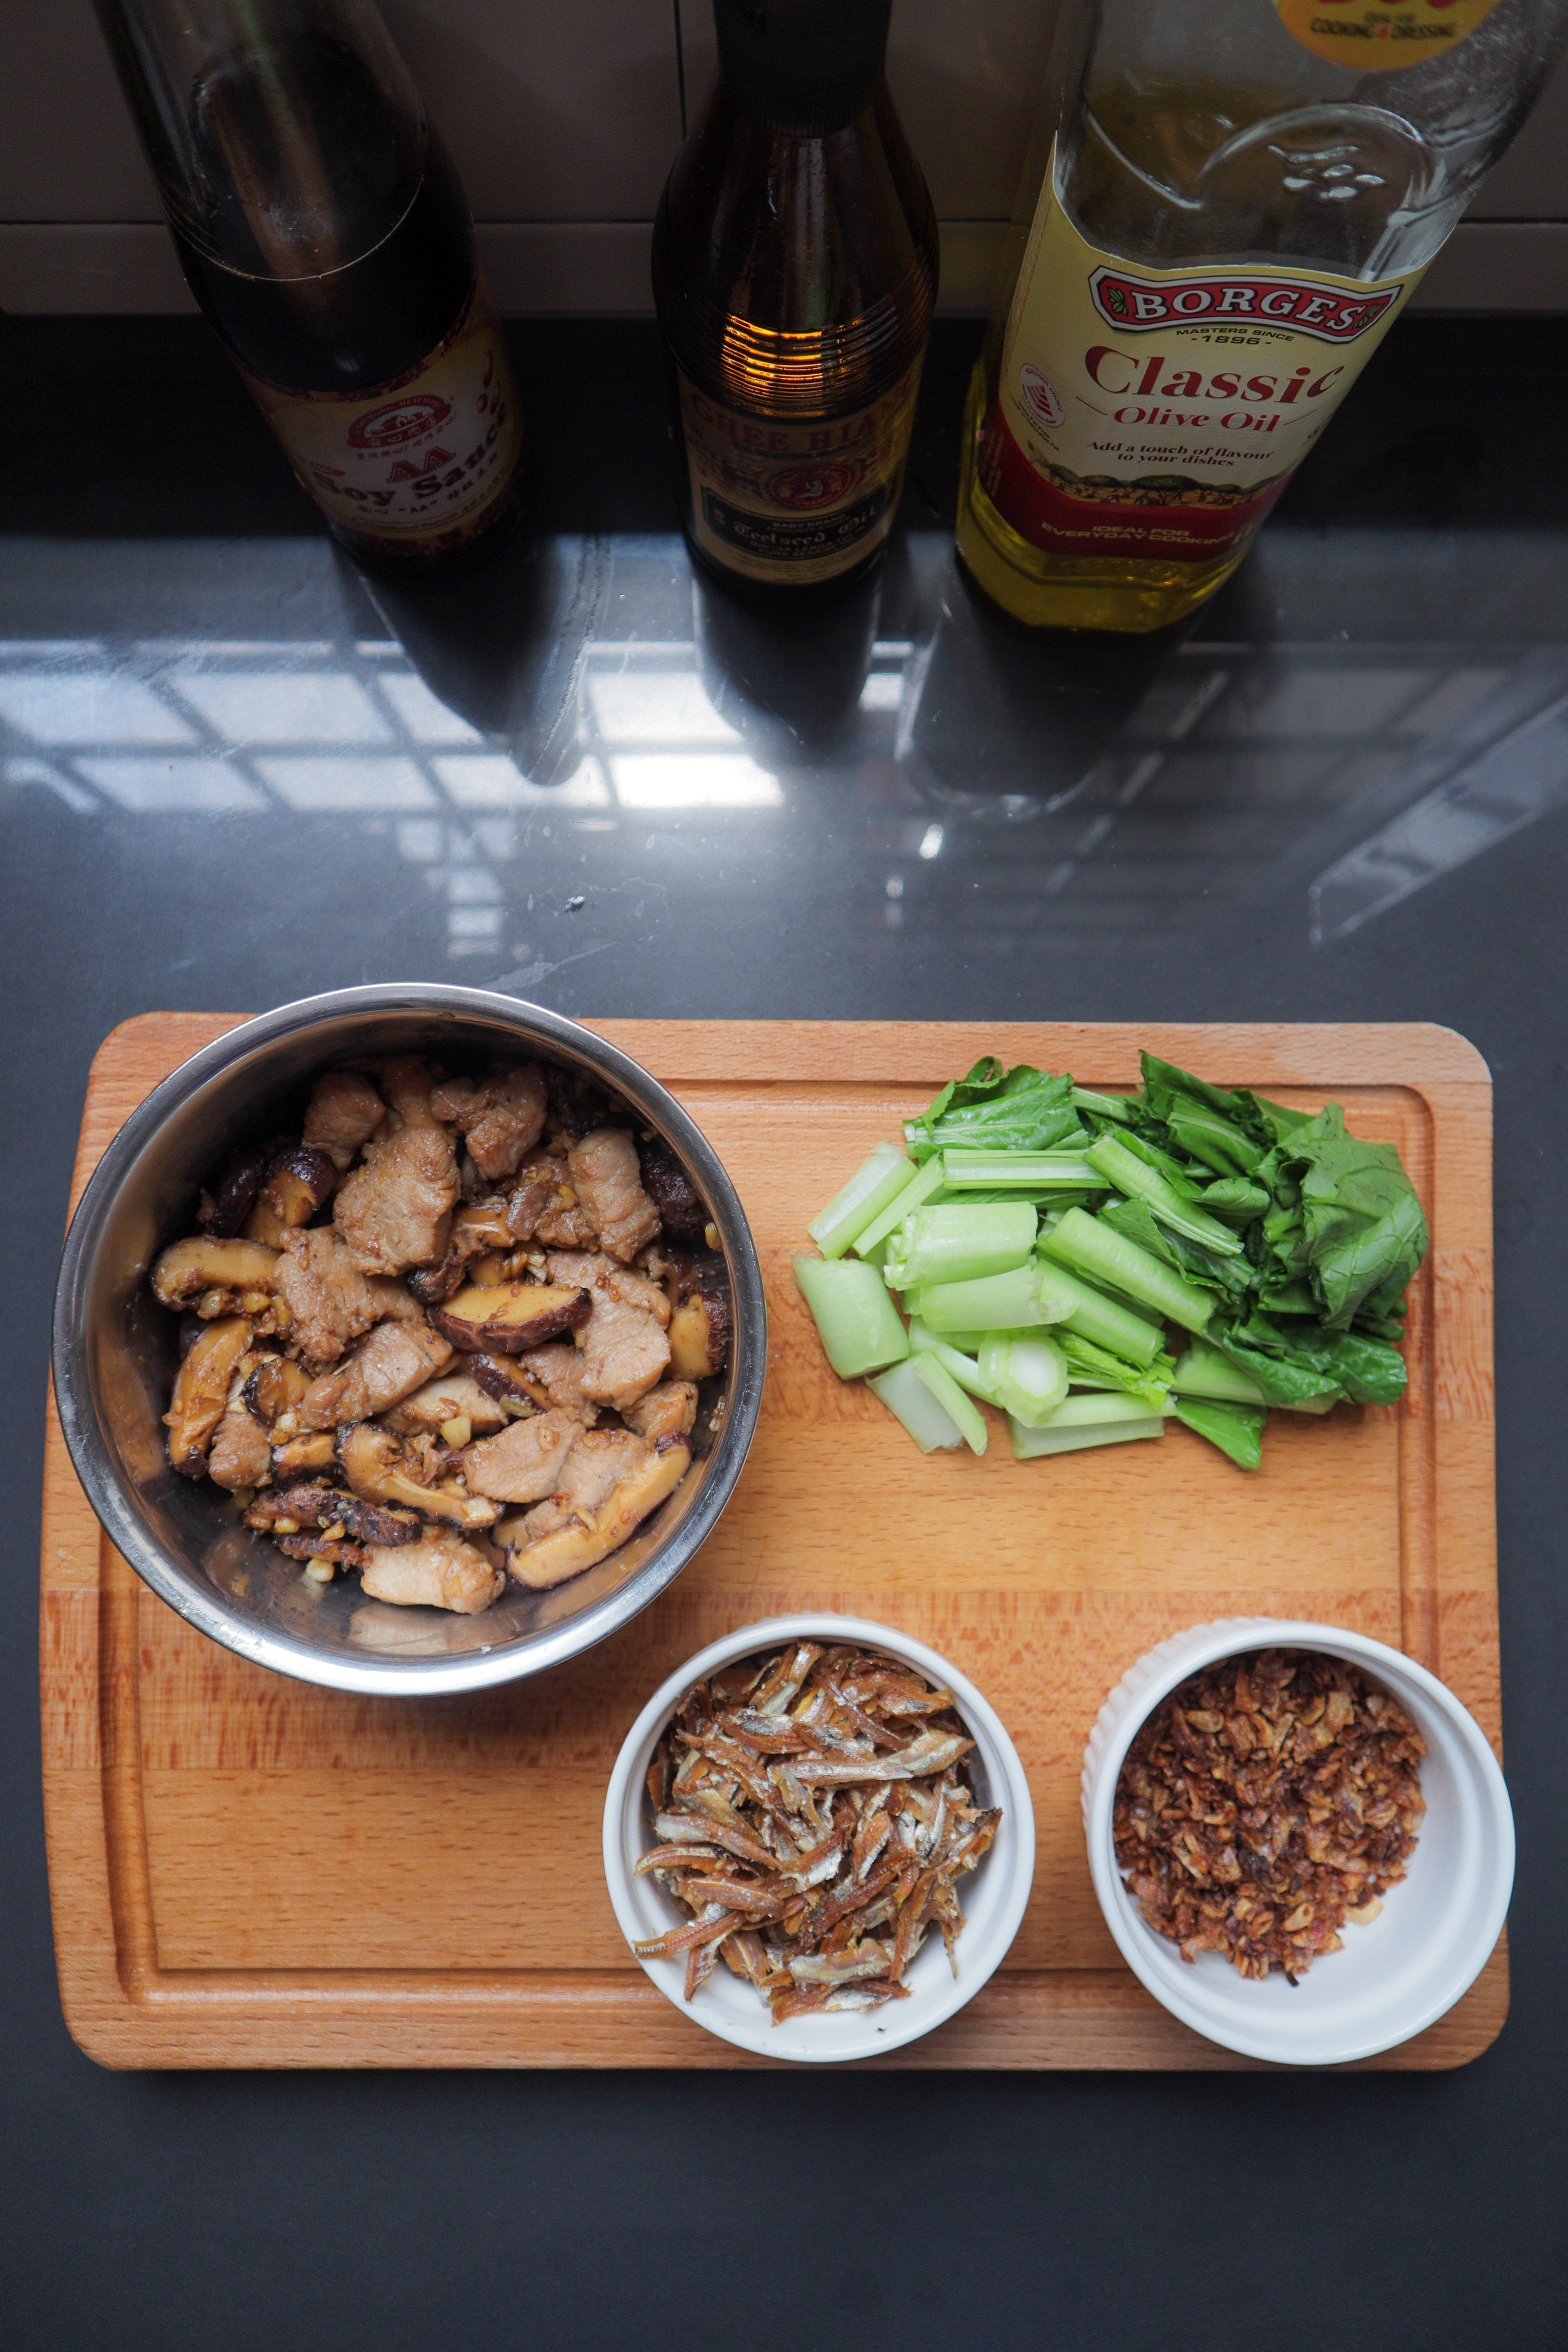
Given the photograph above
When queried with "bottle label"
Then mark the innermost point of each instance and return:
(1159, 414)
(1388, 34)
(420, 461)
(798, 502)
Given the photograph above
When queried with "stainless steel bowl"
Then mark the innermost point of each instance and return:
(115, 1351)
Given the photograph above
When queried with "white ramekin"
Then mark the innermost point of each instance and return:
(994, 1895)
(1439, 1926)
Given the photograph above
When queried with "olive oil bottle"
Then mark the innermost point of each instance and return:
(794, 269)
(1223, 212)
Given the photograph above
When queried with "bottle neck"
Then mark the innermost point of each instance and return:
(802, 69)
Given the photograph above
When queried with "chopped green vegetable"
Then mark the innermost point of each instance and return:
(1282, 1244)
(879, 1180)
(1020, 1171)
(1089, 1247)
(1026, 1372)
(994, 1107)
(857, 1322)
(1129, 1173)
(891, 1216)
(1104, 1321)
(960, 1242)
(962, 1363)
(1097, 1368)
(996, 1302)
(1204, 1371)
(908, 1400)
(1112, 1107)
(1235, 1429)
(1363, 1228)
(1076, 1437)
(966, 1416)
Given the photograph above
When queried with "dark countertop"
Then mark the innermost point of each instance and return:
(234, 772)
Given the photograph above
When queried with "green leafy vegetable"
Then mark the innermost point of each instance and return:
(1279, 1243)
(996, 1109)
(1235, 1429)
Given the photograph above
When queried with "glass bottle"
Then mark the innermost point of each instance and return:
(323, 231)
(1223, 211)
(794, 269)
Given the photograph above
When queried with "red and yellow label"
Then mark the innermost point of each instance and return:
(421, 461)
(795, 502)
(1386, 34)
(1160, 413)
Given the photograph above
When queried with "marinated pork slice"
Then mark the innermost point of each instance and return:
(439, 1571)
(330, 1302)
(594, 1271)
(552, 1375)
(501, 1118)
(667, 1410)
(396, 1211)
(596, 1464)
(408, 1082)
(396, 1359)
(345, 1111)
(523, 1464)
(607, 1179)
(623, 1348)
(451, 1396)
(538, 1186)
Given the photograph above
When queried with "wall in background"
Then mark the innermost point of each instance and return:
(563, 119)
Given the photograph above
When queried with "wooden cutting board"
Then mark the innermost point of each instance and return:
(249, 1870)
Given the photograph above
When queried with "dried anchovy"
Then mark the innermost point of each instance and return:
(1268, 1800)
(803, 1802)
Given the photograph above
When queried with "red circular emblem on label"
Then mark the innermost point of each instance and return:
(810, 486)
(1042, 395)
(408, 419)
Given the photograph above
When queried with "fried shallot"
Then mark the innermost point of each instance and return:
(1268, 1800)
(814, 1814)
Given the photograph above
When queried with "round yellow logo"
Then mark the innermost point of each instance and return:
(1378, 36)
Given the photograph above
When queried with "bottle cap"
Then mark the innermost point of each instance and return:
(805, 67)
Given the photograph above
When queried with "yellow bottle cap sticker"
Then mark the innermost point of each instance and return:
(1379, 36)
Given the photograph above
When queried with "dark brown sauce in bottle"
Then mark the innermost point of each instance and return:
(795, 268)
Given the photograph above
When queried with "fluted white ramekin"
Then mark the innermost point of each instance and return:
(994, 1895)
(1403, 1969)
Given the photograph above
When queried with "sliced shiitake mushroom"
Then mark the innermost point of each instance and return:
(699, 1336)
(296, 1185)
(201, 1393)
(233, 1195)
(374, 1462)
(198, 1272)
(592, 1535)
(511, 1316)
(681, 1208)
(317, 1506)
(509, 1382)
(275, 1388)
(301, 1457)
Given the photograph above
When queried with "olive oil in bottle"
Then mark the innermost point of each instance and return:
(1224, 210)
(794, 269)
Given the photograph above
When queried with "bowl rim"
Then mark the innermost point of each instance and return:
(918, 2017)
(1152, 1679)
(94, 1459)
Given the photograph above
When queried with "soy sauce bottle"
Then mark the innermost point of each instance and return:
(323, 231)
(795, 271)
